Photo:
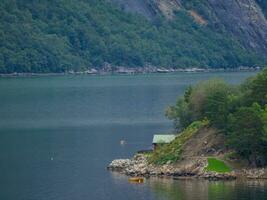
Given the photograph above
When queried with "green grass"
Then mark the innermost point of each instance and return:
(216, 165)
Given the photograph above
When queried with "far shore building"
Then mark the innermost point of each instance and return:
(162, 140)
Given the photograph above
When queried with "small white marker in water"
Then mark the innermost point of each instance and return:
(122, 142)
(52, 158)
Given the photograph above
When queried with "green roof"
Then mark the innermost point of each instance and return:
(161, 139)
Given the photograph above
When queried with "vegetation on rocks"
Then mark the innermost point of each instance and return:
(171, 153)
(238, 112)
(217, 122)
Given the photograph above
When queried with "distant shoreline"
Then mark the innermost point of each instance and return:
(133, 71)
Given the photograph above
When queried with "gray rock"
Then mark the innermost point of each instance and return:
(242, 19)
(193, 167)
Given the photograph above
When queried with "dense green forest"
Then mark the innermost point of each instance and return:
(238, 112)
(61, 35)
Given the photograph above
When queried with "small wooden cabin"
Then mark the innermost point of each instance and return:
(162, 139)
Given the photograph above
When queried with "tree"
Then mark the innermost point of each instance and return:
(216, 108)
(240, 113)
(180, 114)
(258, 88)
(245, 134)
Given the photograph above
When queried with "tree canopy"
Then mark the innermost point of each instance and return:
(239, 112)
(60, 35)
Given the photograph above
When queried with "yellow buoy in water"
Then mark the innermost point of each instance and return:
(136, 179)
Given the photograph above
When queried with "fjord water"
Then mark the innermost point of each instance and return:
(58, 134)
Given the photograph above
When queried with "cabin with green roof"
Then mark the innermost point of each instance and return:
(162, 139)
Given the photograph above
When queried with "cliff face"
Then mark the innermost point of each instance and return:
(149, 8)
(143, 7)
(243, 19)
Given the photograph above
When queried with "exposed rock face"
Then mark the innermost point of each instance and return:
(143, 7)
(138, 166)
(244, 20)
(255, 173)
(149, 8)
(193, 167)
(207, 142)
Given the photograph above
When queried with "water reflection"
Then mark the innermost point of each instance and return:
(167, 189)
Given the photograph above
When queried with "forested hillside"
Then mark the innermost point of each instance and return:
(238, 112)
(61, 35)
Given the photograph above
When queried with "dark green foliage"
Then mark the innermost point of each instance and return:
(256, 89)
(239, 113)
(210, 99)
(245, 134)
(216, 107)
(60, 35)
(180, 114)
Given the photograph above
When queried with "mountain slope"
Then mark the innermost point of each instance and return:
(61, 35)
(243, 19)
(263, 5)
(149, 8)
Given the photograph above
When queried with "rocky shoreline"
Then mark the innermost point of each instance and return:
(136, 70)
(190, 168)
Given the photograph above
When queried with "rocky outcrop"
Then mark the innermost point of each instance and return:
(207, 142)
(139, 166)
(149, 8)
(242, 19)
(259, 173)
(193, 167)
(142, 7)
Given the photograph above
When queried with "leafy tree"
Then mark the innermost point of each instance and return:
(217, 107)
(257, 89)
(264, 122)
(240, 113)
(245, 134)
(180, 114)
(210, 99)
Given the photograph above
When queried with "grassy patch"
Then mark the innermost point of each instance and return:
(216, 165)
(171, 153)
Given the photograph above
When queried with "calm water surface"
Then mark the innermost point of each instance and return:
(57, 135)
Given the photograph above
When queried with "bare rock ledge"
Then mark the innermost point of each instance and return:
(195, 167)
